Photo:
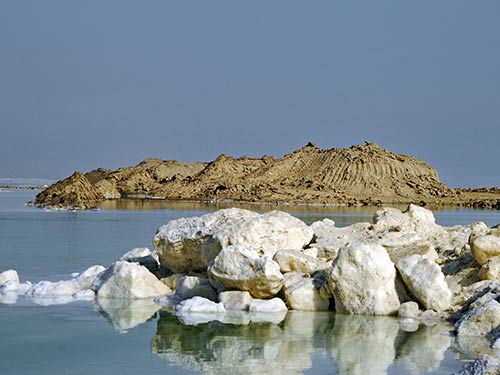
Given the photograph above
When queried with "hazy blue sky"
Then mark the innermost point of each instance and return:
(109, 83)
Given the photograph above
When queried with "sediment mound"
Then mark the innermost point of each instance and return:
(360, 174)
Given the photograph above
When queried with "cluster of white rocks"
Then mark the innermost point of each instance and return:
(235, 260)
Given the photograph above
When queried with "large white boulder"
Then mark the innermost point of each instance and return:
(189, 244)
(128, 280)
(415, 219)
(47, 289)
(302, 294)
(425, 280)
(241, 268)
(484, 247)
(362, 280)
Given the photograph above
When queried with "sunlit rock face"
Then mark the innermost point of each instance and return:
(241, 268)
(485, 246)
(128, 280)
(425, 281)
(362, 280)
(189, 244)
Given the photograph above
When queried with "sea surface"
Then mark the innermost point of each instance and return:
(54, 337)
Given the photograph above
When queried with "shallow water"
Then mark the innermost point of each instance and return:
(110, 338)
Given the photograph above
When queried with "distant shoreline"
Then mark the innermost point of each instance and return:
(27, 187)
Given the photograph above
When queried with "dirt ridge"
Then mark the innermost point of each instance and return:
(361, 174)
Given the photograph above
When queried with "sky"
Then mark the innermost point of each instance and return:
(92, 84)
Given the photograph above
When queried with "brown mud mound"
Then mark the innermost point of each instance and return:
(360, 174)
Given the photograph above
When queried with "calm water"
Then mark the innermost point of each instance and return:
(89, 338)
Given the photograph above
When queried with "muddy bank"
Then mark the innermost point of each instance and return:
(359, 175)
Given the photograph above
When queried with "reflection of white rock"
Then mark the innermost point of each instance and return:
(275, 317)
(84, 295)
(128, 280)
(189, 244)
(240, 267)
(216, 348)
(62, 291)
(423, 351)
(363, 345)
(425, 281)
(124, 314)
(8, 298)
(169, 302)
(362, 280)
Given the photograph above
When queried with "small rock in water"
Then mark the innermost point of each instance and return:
(9, 275)
(409, 310)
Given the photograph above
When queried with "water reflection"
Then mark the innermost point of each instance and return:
(308, 213)
(124, 314)
(416, 354)
(354, 344)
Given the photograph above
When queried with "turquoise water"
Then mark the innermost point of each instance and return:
(89, 338)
